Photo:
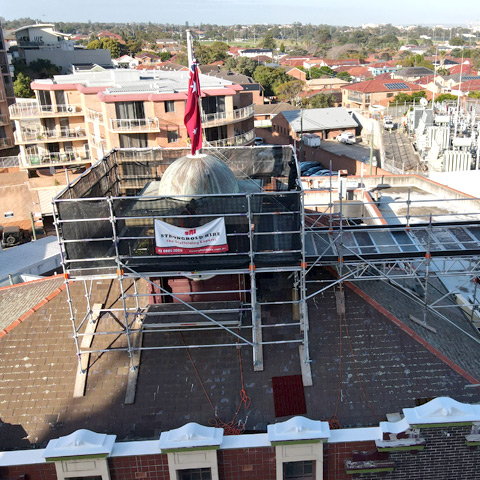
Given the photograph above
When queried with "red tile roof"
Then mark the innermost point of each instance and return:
(378, 85)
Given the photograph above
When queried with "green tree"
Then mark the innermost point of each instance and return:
(111, 44)
(289, 91)
(21, 86)
(211, 53)
(282, 48)
(268, 41)
(405, 98)
(457, 42)
(94, 45)
(42, 68)
(165, 56)
(474, 94)
(445, 96)
(319, 101)
(344, 76)
(134, 46)
(270, 78)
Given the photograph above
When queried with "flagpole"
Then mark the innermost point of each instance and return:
(189, 49)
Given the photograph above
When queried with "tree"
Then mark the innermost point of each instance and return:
(282, 48)
(344, 76)
(445, 96)
(164, 56)
(21, 86)
(474, 94)
(319, 101)
(289, 91)
(42, 68)
(457, 42)
(268, 41)
(211, 53)
(405, 98)
(106, 43)
(270, 78)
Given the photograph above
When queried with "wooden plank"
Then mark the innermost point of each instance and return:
(422, 324)
(258, 353)
(340, 301)
(305, 366)
(137, 342)
(87, 339)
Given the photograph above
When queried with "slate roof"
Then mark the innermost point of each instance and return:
(381, 359)
(413, 72)
(315, 119)
(16, 300)
(273, 108)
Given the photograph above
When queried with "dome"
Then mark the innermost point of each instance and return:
(197, 175)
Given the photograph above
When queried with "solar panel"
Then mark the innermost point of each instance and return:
(397, 86)
(470, 77)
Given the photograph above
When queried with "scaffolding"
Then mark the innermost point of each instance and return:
(105, 218)
(105, 225)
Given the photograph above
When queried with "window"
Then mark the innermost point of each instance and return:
(169, 106)
(213, 104)
(8, 214)
(136, 140)
(130, 110)
(172, 136)
(298, 470)
(194, 474)
(389, 95)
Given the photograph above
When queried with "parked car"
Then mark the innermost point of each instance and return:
(12, 236)
(304, 166)
(388, 123)
(346, 137)
(259, 141)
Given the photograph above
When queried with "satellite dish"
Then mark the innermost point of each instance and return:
(423, 102)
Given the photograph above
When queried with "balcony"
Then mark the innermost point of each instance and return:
(4, 120)
(45, 160)
(236, 141)
(32, 109)
(134, 125)
(94, 116)
(222, 118)
(6, 162)
(46, 136)
(6, 142)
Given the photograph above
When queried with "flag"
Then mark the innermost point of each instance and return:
(192, 110)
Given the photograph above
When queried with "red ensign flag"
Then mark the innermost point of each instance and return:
(192, 110)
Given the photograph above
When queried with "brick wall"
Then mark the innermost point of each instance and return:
(335, 454)
(249, 463)
(41, 471)
(151, 467)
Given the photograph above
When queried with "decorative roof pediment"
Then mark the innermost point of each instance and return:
(191, 435)
(80, 443)
(298, 429)
(442, 410)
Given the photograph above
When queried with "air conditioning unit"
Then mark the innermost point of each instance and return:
(71, 109)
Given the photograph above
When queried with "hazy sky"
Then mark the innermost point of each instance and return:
(228, 12)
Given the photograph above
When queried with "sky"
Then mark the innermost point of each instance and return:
(229, 12)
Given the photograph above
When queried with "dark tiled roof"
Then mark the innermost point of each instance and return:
(38, 368)
(18, 299)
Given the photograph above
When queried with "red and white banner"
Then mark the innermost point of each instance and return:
(209, 238)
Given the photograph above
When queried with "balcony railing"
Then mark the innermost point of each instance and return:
(33, 109)
(4, 120)
(6, 142)
(221, 118)
(94, 116)
(134, 125)
(36, 160)
(236, 141)
(43, 135)
(6, 162)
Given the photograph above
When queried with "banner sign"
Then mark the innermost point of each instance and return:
(209, 238)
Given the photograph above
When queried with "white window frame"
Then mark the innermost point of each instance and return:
(299, 452)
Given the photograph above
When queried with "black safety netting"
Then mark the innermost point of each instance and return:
(106, 217)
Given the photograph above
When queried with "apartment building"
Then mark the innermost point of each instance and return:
(76, 119)
(6, 98)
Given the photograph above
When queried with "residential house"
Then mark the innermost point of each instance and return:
(42, 41)
(327, 123)
(113, 36)
(254, 52)
(125, 61)
(296, 73)
(264, 113)
(410, 74)
(375, 92)
(147, 58)
(7, 97)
